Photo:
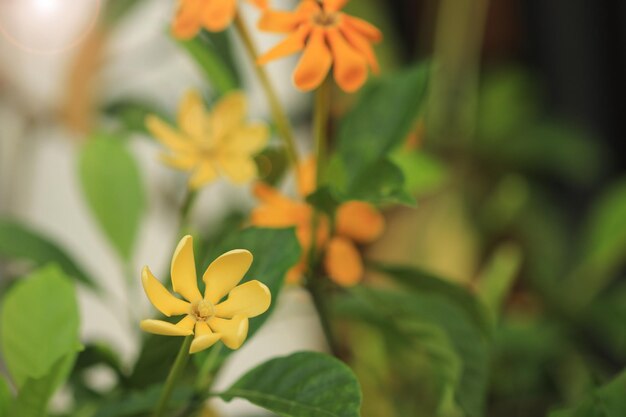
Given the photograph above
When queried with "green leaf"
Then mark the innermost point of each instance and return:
(34, 396)
(17, 241)
(132, 115)
(6, 398)
(142, 402)
(382, 119)
(39, 324)
(606, 401)
(304, 384)
(208, 51)
(423, 173)
(113, 189)
(115, 10)
(450, 315)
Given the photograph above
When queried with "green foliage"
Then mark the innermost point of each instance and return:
(423, 173)
(116, 10)
(39, 324)
(304, 384)
(606, 401)
(113, 189)
(382, 119)
(211, 52)
(18, 241)
(141, 402)
(34, 395)
(6, 398)
(131, 115)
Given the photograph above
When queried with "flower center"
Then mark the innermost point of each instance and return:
(326, 19)
(203, 310)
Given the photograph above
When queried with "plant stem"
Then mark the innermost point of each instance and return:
(175, 372)
(185, 210)
(206, 372)
(279, 115)
(320, 126)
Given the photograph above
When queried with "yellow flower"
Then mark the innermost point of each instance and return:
(208, 318)
(208, 144)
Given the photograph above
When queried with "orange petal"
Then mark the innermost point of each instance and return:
(314, 63)
(350, 68)
(359, 221)
(361, 44)
(218, 14)
(279, 21)
(269, 195)
(366, 29)
(261, 4)
(294, 275)
(290, 45)
(334, 5)
(343, 262)
(307, 173)
(308, 7)
(186, 24)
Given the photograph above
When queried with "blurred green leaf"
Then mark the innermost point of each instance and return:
(155, 351)
(39, 324)
(606, 401)
(210, 52)
(496, 280)
(6, 398)
(423, 173)
(113, 189)
(20, 242)
(272, 164)
(437, 309)
(142, 402)
(304, 384)
(115, 10)
(34, 395)
(132, 115)
(605, 319)
(386, 186)
(382, 119)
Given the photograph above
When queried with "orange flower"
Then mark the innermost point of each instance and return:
(328, 38)
(213, 15)
(356, 222)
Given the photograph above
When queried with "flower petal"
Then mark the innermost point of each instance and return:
(350, 68)
(186, 24)
(229, 113)
(161, 298)
(183, 270)
(366, 29)
(261, 4)
(202, 175)
(164, 328)
(187, 323)
(233, 331)
(279, 21)
(250, 299)
(290, 45)
(191, 117)
(238, 168)
(269, 195)
(314, 63)
(307, 176)
(359, 221)
(165, 134)
(184, 161)
(334, 5)
(218, 14)
(224, 273)
(343, 262)
(204, 338)
(361, 44)
(248, 139)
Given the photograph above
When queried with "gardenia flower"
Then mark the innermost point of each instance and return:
(213, 15)
(208, 317)
(208, 144)
(328, 38)
(356, 222)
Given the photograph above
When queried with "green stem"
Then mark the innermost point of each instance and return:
(278, 114)
(175, 373)
(320, 126)
(185, 211)
(206, 372)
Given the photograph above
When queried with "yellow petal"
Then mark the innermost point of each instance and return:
(187, 323)
(202, 175)
(164, 328)
(343, 262)
(161, 298)
(165, 134)
(182, 161)
(191, 116)
(233, 331)
(248, 139)
(183, 270)
(204, 338)
(239, 169)
(250, 299)
(224, 273)
(229, 113)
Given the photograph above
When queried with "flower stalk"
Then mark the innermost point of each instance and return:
(278, 114)
(175, 372)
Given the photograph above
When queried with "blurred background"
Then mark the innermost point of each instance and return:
(518, 167)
